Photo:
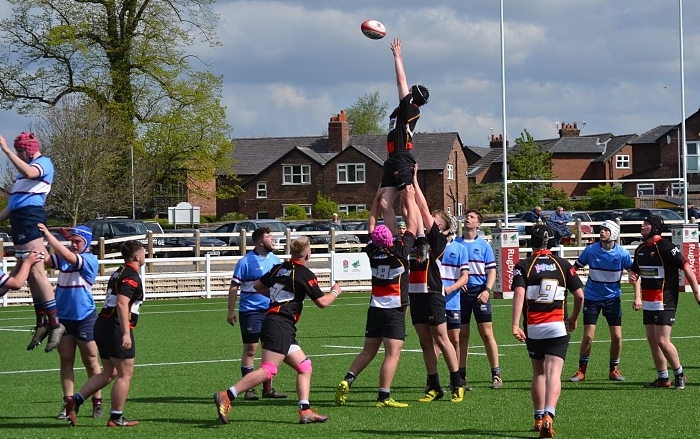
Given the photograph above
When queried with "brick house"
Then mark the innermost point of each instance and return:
(657, 155)
(278, 171)
(574, 157)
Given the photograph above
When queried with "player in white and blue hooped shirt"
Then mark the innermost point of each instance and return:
(476, 298)
(454, 269)
(25, 209)
(77, 270)
(253, 306)
(605, 259)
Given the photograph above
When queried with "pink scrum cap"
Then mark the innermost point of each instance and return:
(382, 237)
(27, 141)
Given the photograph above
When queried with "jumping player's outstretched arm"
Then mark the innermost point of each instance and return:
(421, 202)
(401, 81)
(374, 210)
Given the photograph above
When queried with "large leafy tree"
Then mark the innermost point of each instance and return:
(367, 114)
(130, 58)
(529, 161)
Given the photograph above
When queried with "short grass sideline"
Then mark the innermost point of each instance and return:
(187, 351)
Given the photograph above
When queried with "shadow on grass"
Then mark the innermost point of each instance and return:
(448, 433)
(210, 401)
(13, 422)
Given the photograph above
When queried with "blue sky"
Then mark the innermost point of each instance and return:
(289, 66)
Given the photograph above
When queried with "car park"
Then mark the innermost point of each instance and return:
(208, 245)
(341, 236)
(118, 227)
(638, 215)
(277, 227)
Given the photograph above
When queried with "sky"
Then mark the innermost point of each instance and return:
(608, 65)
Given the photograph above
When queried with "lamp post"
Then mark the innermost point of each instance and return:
(503, 105)
(133, 187)
(683, 139)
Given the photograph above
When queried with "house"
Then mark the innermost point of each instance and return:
(275, 172)
(574, 157)
(657, 155)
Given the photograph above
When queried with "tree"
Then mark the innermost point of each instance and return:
(529, 161)
(295, 212)
(129, 58)
(606, 197)
(366, 116)
(324, 208)
(77, 137)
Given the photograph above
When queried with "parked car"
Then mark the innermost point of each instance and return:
(638, 215)
(207, 244)
(341, 237)
(277, 227)
(155, 227)
(118, 227)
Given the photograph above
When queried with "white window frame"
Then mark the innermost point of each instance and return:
(349, 208)
(460, 209)
(307, 208)
(261, 190)
(677, 188)
(449, 210)
(693, 157)
(622, 161)
(263, 214)
(450, 171)
(351, 173)
(645, 189)
(289, 172)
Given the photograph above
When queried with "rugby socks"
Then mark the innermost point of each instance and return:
(267, 386)
(463, 373)
(51, 313)
(495, 372)
(350, 378)
(245, 370)
(115, 415)
(614, 364)
(583, 363)
(433, 382)
(455, 380)
(539, 414)
(549, 410)
(678, 372)
(383, 394)
(40, 314)
(304, 405)
(662, 374)
(232, 393)
(79, 399)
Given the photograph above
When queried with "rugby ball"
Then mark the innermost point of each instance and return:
(373, 29)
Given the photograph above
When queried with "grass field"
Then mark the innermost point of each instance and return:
(186, 351)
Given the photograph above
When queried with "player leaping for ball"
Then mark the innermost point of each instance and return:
(398, 168)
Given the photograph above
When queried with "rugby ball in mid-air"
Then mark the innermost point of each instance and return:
(373, 29)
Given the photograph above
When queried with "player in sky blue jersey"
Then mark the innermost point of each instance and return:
(25, 209)
(253, 306)
(606, 259)
(476, 298)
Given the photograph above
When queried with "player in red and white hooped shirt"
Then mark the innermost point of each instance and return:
(386, 321)
(656, 283)
(539, 288)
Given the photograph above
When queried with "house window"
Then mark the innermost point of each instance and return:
(262, 215)
(460, 209)
(677, 188)
(645, 189)
(296, 174)
(450, 171)
(351, 173)
(622, 161)
(348, 208)
(449, 210)
(307, 209)
(262, 189)
(692, 157)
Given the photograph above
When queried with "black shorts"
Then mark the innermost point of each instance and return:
(454, 318)
(557, 347)
(251, 324)
(482, 311)
(278, 334)
(398, 171)
(24, 223)
(427, 309)
(659, 318)
(385, 323)
(108, 336)
(83, 330)
(611, 308)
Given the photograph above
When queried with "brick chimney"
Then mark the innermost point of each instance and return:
(569, 130)
(338, 132)
(497, 141)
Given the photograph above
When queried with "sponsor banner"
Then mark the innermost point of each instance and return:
(504, 242)
(351, 266)
(686, 237)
